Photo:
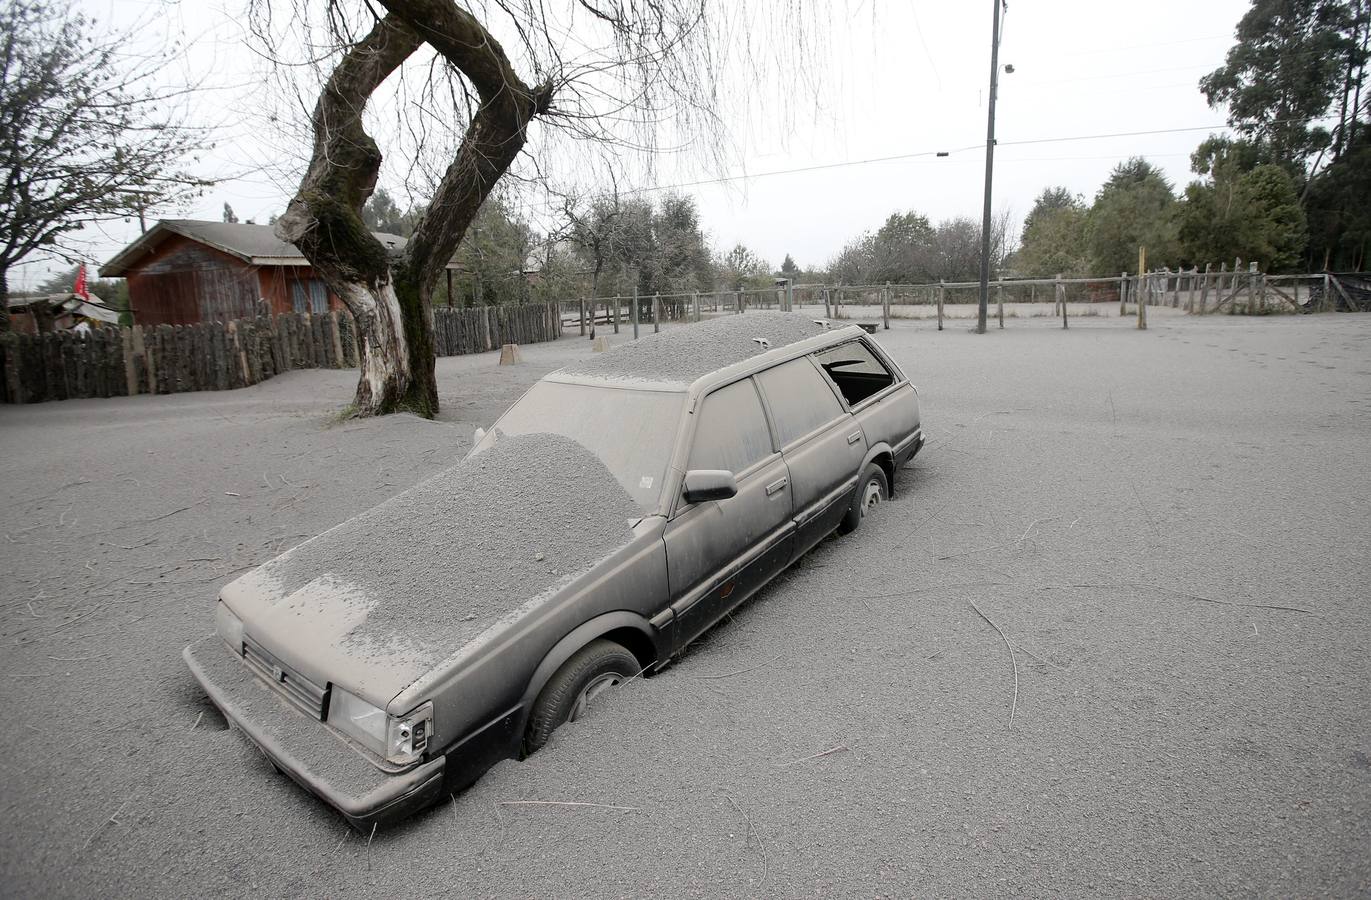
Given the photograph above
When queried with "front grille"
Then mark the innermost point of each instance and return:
(305, 694)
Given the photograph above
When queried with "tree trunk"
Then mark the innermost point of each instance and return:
(4, 299)
(390, 294)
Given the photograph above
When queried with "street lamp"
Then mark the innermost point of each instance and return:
(989, 170)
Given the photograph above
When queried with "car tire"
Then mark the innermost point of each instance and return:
(872, 488)
(596, 667)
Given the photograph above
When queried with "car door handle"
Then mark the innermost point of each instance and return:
(854, 437)
(777, 485)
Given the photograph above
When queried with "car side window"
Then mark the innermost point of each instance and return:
(731, 432)
(856, 371)
(799, 398)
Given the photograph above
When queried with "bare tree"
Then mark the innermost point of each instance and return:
(84, 136)
(596, 68)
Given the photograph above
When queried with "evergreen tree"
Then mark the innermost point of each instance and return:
(1134, 208)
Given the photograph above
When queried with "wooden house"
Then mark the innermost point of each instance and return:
(182, 271)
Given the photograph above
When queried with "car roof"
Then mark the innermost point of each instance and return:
(705, 353)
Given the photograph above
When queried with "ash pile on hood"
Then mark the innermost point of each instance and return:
(420, 575)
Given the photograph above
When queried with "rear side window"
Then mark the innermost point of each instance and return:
(856, 371)
(799, 398)
(731, 433)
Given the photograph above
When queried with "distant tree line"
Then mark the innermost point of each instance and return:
(1289, 189)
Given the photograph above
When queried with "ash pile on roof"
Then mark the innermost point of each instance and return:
(439, 562)
(686, 352)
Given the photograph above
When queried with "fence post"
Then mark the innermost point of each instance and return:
(885, 307)
(942, 293)
(789, 295)
(635, 312)
(999, 301)
(1061, 297)
(583, 317)
(1123, 294)
(656, 313)
(695, 306)
(738, 302)
(1142, 300)
(1327, 298)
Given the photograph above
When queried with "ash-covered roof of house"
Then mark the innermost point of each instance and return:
(68, 302)
(255, 244)
(684, 353)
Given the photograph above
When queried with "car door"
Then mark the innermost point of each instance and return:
(882, 403)
(822, 444)
(719, 552)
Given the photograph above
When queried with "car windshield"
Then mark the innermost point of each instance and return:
(631, 432)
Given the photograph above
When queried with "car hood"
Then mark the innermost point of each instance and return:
(380, 600)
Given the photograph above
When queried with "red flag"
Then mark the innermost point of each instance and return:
(79, 289)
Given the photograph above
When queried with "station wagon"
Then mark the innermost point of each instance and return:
(620, 508)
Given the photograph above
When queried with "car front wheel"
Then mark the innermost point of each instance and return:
(872, 488)
(576, 686)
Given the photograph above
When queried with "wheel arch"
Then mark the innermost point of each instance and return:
(624, 627)
(882, 455)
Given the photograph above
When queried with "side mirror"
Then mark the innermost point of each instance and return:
(709, 484)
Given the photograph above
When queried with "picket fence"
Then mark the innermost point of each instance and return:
(217, 356)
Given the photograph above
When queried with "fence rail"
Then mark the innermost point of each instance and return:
(217, 356)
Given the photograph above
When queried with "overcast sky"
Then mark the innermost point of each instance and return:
(895, 79)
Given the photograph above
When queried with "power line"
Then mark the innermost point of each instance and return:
(920, 154)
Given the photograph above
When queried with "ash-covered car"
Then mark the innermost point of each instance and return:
(620, 508)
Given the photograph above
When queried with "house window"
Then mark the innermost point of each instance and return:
(309, 296)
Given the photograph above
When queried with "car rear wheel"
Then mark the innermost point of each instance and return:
(872, 489)
(576, 686)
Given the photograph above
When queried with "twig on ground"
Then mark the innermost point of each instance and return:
(1188, 595)
(751, 830)
(165, 515)
(970, 552)
(1013, 661)
(346, 834)
(1021, 648)
(32, 674)
(740, 671)
(1143, 506)
(197, 720)
(936, 587)
(83, 615)
(112, 819)
(841, 748)
(567, 803)
(1033, 523)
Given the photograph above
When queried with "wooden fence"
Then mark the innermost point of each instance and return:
(215, 356)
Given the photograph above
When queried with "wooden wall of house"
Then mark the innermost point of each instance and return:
(274, 285)
(184, 282)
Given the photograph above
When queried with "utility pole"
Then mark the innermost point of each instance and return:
(989, 170)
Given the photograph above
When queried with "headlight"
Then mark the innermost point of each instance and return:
(400, 739)
(229, 626)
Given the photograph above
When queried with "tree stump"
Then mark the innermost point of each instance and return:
(600, 344)
(509, 355)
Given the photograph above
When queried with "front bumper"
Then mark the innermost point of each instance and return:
(312, 754)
